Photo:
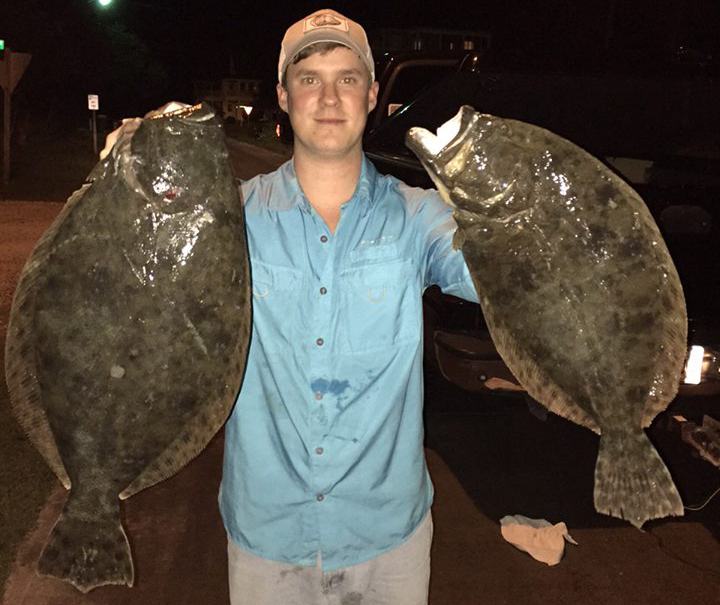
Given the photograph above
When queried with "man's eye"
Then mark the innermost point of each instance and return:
(349, 80)
(308, 80)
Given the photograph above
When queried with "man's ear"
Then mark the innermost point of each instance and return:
(372, 96)
(282, 97)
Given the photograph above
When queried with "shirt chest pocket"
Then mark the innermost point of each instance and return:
(381, 305)
(276, 294)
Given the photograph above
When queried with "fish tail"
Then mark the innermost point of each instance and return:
(87, 552)
(631, 481)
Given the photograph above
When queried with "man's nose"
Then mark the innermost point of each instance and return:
(329, 94)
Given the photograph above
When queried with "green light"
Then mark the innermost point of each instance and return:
(104, 2)
(2, 44)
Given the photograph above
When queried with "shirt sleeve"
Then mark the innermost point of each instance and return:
(246, 188)
(444, 266)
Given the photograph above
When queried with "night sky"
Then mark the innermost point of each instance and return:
(139, 53)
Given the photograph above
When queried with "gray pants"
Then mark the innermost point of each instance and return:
(398, 577)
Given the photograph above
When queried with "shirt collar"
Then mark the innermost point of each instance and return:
(364, 190)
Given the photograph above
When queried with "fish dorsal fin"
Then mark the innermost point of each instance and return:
(20, 353)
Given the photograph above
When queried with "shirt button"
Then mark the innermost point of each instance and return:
(320, 497)
(323, 290)
(318, 395)
(319, 451)
(323, 238)
(319, 342)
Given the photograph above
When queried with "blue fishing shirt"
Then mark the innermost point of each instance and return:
(324, 448)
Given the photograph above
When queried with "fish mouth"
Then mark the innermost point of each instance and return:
(428, 146)
(202, 112)
(431, 148)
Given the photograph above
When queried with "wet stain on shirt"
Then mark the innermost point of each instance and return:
(334, 387)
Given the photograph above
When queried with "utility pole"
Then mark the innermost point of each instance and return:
(12, 66)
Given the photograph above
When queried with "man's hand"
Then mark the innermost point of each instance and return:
(167, 108)
(124, 132)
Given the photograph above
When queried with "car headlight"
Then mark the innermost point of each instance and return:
(703, 364)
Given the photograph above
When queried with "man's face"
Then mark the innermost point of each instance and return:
(328, 98)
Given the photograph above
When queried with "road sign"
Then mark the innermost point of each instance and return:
(12, 66)
(93, 102)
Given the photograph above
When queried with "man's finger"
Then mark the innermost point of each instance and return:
(126, 129)
(167, 108)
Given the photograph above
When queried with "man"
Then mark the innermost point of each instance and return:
(325, 493)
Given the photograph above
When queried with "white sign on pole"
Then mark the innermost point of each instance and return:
(93, 102)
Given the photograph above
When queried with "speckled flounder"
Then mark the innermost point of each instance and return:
(577, 287)
(128, 332)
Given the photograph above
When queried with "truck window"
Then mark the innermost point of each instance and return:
(410, 79)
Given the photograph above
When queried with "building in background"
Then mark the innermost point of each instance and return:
(232, 97)
(388, 40)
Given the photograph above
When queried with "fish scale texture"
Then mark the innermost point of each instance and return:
(578, 290)
(129, 331)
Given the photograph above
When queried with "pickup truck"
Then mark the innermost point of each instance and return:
(657, 131)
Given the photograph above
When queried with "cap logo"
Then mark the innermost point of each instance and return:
(325, 20)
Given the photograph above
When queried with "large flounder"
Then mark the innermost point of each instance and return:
(577, 287)
(128, 332)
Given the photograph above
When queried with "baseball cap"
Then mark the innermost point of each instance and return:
(325, 25)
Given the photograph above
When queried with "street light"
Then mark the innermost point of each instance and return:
(104, 2)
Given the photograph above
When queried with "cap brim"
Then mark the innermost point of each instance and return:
(326, 35)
